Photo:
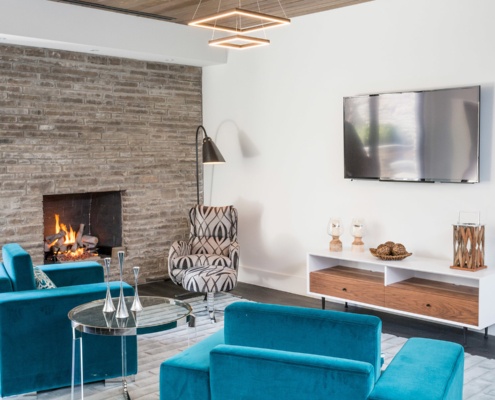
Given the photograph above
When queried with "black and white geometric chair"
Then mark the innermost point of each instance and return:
(209, 260)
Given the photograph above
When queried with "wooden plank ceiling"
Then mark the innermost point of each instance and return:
(183, 11)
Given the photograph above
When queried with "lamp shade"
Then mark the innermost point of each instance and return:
(211, 154)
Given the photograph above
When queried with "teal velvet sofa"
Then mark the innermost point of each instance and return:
(281, 352)
(36, 333)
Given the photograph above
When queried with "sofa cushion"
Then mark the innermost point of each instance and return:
(209, 279)
(19, 267)
(42, 279)
(201, 260)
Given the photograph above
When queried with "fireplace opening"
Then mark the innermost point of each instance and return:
(81, 226)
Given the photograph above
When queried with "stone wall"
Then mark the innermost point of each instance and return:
(76, 123)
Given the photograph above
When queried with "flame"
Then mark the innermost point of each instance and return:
(57, 225)
(69, 239)
(70, 235)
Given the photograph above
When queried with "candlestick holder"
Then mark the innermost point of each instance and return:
(357, 230)
(136, 304)
(335, 230)
(108, 307)
(121, 307)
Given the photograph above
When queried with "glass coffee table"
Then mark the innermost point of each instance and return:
(158, 314)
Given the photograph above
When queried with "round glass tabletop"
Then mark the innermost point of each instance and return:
(158, 314)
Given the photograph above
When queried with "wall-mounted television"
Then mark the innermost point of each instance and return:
(417, 136)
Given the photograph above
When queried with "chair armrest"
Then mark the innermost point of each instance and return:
(273, 374)
(234, 254)
(77, 273)
(423, 366)
(186, 375)
(179, 248)
(5, 283)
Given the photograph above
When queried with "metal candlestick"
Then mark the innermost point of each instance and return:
(121, 307)
(108, 307)
(136, 304)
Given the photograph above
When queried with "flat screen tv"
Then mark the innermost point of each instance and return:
(417, 136)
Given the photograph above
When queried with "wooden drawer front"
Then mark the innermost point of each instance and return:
(348, 289)
(432, 305)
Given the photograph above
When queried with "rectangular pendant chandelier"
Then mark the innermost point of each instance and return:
(258, 21)
(239, 42)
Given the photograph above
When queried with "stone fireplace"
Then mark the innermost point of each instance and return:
(73, 124)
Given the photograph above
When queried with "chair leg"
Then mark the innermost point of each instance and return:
(210, 304)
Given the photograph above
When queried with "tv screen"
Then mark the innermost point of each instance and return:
(424, 136)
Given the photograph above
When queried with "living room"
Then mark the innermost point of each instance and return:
(276, 115)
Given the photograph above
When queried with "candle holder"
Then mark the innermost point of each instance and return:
(109, 316)
(136, 304)
(469, 242)
(357, 230)
(121, 307)
(335, 230)
(108, 307)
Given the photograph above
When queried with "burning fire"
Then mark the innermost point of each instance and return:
(68, 245)
(70, 235)
(80, 254)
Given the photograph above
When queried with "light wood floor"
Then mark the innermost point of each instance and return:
(475, 343)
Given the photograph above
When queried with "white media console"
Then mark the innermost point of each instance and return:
(418, 287)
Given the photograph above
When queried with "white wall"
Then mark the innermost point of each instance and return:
(276, 114)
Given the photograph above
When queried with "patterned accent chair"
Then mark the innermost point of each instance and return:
(208, 262)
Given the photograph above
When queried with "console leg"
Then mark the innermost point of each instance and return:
(346, 306)
(486, 333)
(322, 303)
(465, 331)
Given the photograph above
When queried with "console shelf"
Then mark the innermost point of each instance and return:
(418, 287)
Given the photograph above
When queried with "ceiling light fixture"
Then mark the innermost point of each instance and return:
(259, 21)
(239, 21)
(239, 42)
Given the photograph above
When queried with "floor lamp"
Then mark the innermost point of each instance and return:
(211, 154)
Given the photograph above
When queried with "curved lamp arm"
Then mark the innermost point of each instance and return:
(211, 154)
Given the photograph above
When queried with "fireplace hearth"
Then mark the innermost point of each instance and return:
(81, 226)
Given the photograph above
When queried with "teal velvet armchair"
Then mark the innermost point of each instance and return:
(36, 333)
(268, 351)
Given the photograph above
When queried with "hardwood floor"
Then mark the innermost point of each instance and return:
(475, 343)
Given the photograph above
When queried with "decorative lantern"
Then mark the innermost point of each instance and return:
(335, 229)
(469, 243)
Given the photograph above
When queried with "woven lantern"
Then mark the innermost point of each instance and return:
(469, 245)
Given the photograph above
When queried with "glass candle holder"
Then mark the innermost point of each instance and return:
(357, 231)
(335, 230)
